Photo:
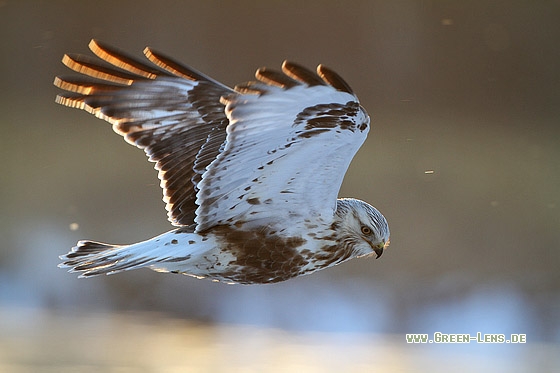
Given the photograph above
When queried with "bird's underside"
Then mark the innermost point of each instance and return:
(250, 175)
(223, 254)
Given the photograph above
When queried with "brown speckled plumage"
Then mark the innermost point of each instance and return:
(250, 175)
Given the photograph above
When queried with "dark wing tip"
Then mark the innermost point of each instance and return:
(333, 79)
(169, 65)
(273, 77)
(251, 88)
(123, 61)
(96, 69)
(73, 101)
(301, 74)
(293, 74)
(82, 85)
(178, 69)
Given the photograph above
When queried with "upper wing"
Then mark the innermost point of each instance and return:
(172, 112)
(289, 143)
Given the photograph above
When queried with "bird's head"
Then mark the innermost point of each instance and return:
(363, 226)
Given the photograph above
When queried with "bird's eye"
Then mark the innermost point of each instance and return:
(366, 230)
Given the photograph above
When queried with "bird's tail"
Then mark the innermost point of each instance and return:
(96, 258)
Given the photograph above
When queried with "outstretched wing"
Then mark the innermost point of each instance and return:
(171, 111)
(289, 143)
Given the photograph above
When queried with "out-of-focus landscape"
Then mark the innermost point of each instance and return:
(463, 160)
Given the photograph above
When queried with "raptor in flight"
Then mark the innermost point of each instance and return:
(250, 175)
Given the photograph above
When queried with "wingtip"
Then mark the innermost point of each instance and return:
(57, 82)
(67, 60)
(301, 74)
(332, 78)
(275, 78)
(168, 64)
(122, 60)
(148, 53)
(93, 44)
(73, 102)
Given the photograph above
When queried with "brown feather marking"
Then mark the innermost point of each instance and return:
(168, 64)
(333, 79)
(301, 74)
(261, 257)
(91, 67)
(322, 117)
(84, 86)
(121, 60)
(251, 88)
(275, 78)
(176, 68)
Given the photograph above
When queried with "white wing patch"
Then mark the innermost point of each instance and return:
(286, 153)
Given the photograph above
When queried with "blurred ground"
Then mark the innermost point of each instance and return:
(468, 90)
(148, 342)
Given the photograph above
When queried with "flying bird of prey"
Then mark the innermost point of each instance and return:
(250, 175)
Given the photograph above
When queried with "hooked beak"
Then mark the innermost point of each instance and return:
(379, 249)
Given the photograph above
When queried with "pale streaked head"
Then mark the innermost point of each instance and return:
(362, 225)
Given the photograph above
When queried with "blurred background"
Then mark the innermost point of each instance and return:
(463, 160)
